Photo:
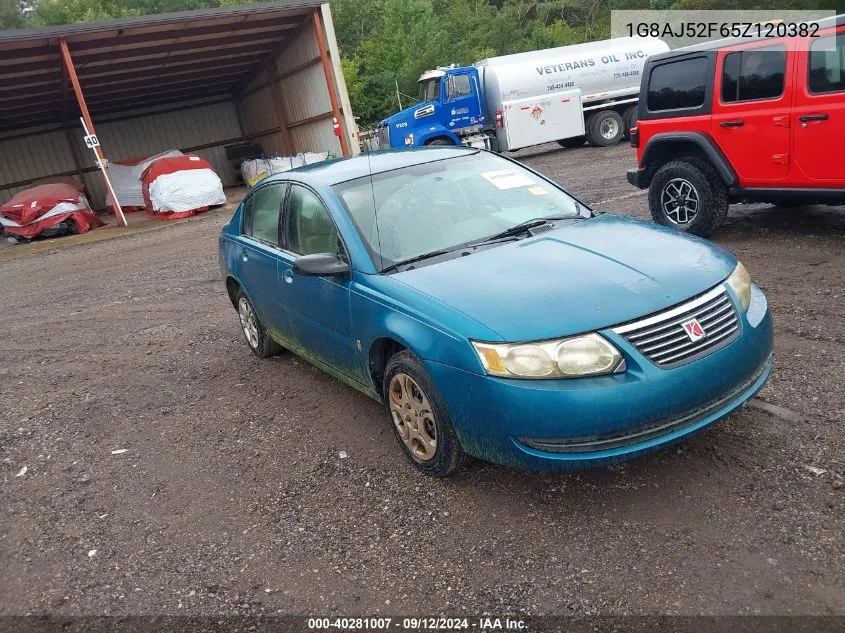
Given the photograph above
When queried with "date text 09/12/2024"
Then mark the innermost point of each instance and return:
(480, 624)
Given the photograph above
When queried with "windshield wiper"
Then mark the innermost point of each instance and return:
(419, 258)
(522, 227)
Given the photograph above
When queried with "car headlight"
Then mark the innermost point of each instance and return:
(587, 355)
(740, 283)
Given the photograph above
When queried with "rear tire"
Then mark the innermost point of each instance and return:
(573, 142)
(630, 118)
(257, 338)
(605, 128)
(419, 418)
(688, 195)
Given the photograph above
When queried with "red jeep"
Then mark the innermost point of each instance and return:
(742, 121)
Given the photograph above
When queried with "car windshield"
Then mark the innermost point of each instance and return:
(430, 89)
(446, 204)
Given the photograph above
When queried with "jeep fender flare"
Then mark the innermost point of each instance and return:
(660, 145)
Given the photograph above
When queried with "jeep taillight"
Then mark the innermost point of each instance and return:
(500, 119)
(635, 137)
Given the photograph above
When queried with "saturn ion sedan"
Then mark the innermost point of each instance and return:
(494, 314)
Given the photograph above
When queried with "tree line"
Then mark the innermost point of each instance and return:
(386, 44)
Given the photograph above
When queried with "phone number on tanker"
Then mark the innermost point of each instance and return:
(717, 29)
(383, 624)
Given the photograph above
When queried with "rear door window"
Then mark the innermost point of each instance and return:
(261, 213)
(677, 85)
(754, 74)
(827, 67)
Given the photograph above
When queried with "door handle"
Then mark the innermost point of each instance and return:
(244, 256)
(737, 123)
(288, 276)
(813, 117)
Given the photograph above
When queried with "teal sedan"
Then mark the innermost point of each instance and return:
(493, 313)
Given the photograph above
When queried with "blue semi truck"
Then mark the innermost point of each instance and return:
(572, 94)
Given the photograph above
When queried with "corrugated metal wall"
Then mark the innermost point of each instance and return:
(306, 95)
(305, 99)
(147, 132)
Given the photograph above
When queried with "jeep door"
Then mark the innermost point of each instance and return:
(751, 109)
(818, 117)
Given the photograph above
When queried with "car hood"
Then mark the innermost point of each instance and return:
(582, 277)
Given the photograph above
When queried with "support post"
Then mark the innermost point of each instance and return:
(327, 71)
(88, 125)
(272, 72)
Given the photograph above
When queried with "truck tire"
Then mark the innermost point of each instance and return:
(688, 195)
(605, 128)
(573, 142)
(440, 141)
(630, 118)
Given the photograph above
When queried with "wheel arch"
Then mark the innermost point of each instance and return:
(668, 146)
(424, 138)
(232, 288)
(382, 349)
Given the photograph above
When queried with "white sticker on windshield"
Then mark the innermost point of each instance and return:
(507, 179)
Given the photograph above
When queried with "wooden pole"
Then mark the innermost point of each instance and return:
(88, 125)
(272, 72)
(327, 71)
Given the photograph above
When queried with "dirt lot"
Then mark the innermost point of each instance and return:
(231, 496)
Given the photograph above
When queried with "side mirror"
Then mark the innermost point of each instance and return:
(320, 264)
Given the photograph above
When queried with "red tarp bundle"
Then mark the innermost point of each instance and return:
(180, 186)
(35, 210)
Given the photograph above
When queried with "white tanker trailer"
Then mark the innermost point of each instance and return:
(567, 94)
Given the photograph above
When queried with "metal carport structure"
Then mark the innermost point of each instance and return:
(195, 80)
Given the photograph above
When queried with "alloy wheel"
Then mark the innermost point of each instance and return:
(248, 322)
(609, 128)
(679, 200)
(412, 416)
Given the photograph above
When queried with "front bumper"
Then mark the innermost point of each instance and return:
(569, 424)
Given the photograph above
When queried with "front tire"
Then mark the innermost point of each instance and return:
(259, 341)
(605, 128)
(419, 417)
(440, 141)
(688, 195)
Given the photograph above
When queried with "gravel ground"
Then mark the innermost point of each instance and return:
(231, 496)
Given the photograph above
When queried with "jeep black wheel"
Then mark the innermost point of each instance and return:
(605, 128)
(688, 195)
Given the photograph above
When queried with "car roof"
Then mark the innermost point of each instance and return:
(714, 45)
(332, 172)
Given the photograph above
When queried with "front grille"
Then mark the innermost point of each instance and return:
(662, 339)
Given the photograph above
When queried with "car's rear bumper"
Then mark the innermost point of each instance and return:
(637, 178)
(569, 424)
